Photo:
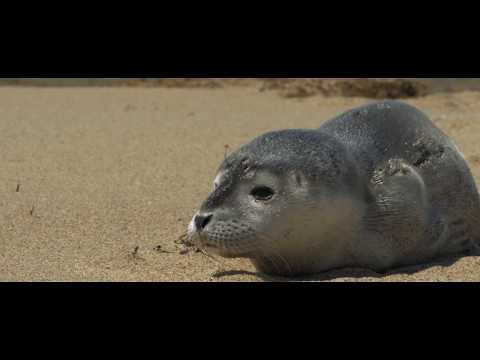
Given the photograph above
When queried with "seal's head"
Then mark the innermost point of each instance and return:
(279, 199)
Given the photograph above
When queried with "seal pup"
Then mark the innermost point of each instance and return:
(377, 187)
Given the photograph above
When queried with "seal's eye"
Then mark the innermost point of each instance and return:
(262, 193)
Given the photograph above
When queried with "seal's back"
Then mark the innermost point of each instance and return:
(389, 130)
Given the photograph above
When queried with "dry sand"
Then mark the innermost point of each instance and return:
(108, 178)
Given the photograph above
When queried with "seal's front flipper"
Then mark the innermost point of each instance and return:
(400, 197)
(399, 214)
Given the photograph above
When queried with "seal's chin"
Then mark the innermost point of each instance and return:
(214, 250)
(218, 251)
(201, 241)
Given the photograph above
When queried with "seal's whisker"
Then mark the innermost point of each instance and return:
(277, 254)
(183, 239)
(272, 261)
(211, 257)
(270, 246)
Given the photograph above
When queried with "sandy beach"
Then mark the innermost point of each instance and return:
(97, 184)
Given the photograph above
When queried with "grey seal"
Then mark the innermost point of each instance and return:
(377, 187)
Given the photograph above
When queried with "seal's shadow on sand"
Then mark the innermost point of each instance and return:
(344, 273)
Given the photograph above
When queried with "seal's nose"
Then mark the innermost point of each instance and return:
(201, 221)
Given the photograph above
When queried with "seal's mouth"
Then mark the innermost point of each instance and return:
(212, 249)
(201, 240)
(217, 250)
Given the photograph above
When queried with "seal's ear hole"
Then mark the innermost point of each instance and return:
(299, 178)
(262, 193)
